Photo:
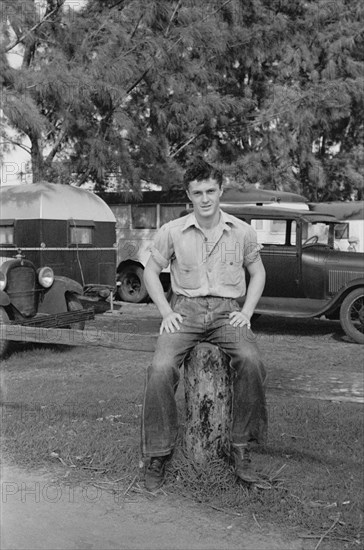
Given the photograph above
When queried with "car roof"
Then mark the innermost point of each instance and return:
(253, 195)
(351, 210)
(52, 201)
(240, 210)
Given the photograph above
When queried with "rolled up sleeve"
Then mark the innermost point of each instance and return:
(251, 248)
(161, 249)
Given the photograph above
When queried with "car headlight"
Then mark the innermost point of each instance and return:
(46, 277)
(2, 280)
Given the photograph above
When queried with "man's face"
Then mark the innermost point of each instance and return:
(205, 197)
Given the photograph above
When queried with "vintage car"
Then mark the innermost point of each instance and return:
(66, 228)
(137, 222)
(36, 297)
(57, 256)
(306, 275)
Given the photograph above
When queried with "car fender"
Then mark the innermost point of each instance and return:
(4, 299)
(336, 301)
(54, 299)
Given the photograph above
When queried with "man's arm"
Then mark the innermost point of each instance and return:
(171, 319)
(255, 290)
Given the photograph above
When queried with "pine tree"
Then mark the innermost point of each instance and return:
(124, 91)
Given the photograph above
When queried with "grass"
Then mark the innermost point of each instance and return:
(62, 407)
(313, 469)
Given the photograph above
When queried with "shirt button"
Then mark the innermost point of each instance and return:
(205, 239)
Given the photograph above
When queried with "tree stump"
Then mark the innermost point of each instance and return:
(208, 393)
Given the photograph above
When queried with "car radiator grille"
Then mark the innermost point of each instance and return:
(22, 290)
(337, 279)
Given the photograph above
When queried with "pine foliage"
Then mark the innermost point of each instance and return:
(124, 91)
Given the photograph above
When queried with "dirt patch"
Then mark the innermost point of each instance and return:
(40, 513)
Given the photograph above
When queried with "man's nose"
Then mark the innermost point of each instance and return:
(204, 197)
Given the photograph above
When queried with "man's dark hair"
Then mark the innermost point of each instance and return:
(200, 170)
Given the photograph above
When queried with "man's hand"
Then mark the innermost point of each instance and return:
(239, 319)
(170, 322)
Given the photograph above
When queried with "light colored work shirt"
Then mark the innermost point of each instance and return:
(206, 263)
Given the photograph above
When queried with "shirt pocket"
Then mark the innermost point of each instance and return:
(231, 273)
(189, 276)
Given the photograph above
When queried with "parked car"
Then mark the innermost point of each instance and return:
(31, 296)
(349, 234)
(306, 275)
(138, 221)
(71, 230)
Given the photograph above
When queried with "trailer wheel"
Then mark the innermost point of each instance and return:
(131, 287)
(4, 320)
(74, 304)
(352, 315)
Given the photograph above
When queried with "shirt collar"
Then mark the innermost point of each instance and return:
(225, 221)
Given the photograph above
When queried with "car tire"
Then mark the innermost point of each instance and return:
(131, 287)
(74, 304)
(352, 315)
(4, 344)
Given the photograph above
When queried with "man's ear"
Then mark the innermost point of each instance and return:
(221, 191)
(188, 194)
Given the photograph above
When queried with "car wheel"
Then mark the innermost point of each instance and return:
(4, 343)
(74, 304)
(131, 287)
(352, 315)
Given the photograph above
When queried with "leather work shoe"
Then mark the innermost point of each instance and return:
(155, 473)
(243, 467)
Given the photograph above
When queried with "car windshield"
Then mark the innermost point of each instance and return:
(316, 232)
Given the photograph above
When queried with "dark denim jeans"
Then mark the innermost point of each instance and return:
(204, 319)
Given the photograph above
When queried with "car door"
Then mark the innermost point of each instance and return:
(279, 255)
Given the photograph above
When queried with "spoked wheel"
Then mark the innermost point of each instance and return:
(352, 315)
(131, 287)
(4, 343)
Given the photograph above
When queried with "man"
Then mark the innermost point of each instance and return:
(206, 250)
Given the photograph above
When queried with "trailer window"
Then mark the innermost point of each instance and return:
(144, 216)
(81, 232)
(7, 233)
(171, 212)
(122, 214)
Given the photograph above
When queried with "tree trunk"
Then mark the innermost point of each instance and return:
(37, 159)
(208, 394)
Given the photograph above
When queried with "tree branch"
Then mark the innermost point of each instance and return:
(135, 28)
(135, 84)
(153, 61)
(202, 21)
(116, 4)
(27, 149)
(35, 27)
(172, 17)
(190, 140)
(56, 146)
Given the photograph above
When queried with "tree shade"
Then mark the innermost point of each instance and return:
(120, 92)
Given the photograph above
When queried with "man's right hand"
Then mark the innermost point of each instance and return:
(171, 322)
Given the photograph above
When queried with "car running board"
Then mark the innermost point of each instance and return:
(291, 307)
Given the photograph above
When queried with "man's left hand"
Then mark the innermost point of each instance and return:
(239, 319)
